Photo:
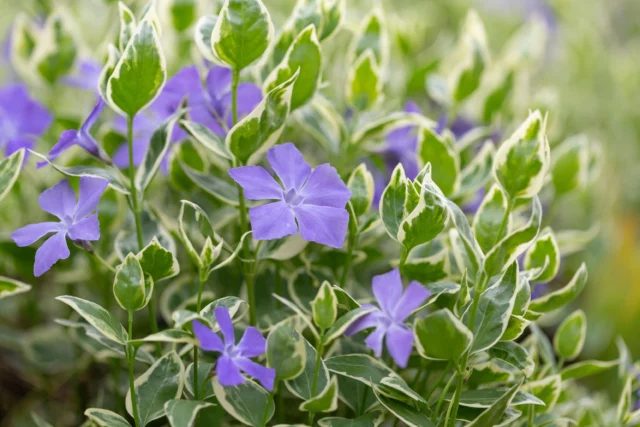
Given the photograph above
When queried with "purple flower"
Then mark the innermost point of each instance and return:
(215, 112)
(76, 221)
(316, 199)
(22, 119)
(388, 321)
(458, 128)
(401, 146)
(235, 357)
(81, 137)
(86, 76)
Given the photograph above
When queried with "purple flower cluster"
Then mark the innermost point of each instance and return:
(235, 357)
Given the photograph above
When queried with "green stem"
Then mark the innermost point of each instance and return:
(505, 220)
(530, 418)
(453, 408)
(444, 393)
(196, 389)
(131, 355)
(266, 410)
(235, 78)
(278, 285)
(439, 381)
(132, 183)
(316, 372)
(352, 242)
(103, 262)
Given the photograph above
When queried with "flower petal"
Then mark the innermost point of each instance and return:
(265, 375)
(367, 321)
(325, 188)
(226, 325)
(249, 96)
(218, 82)
(68, 139)
(413, 297)
(272, 221)
(53, 249)
(374, 341)
(86, 229)
(16, 144)
(183, 84)
(387, 289)
(228, 372)
(31, 233)
(322, 224)
(121, 155)
(399, 343)
(256, 183)
(59, 200)
(91, 190)
(289, 164)
(209, 340)
(252, 343)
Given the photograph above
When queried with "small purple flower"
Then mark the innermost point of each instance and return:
(315, 199)
(458, 128)
(22, 119)
(86, 76)
(76, 221)
(81, 137)
(235, 357)
(388, 321)
(402, 144)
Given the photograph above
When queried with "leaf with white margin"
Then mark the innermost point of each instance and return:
(368, 370)
(105, 418)
(205, 137)
(563, 296)
(624, 401)
(393, 200)
(486, 397)
(442, 336)
(129, 284)
(248, 402)
(158, 262)
(546, 389)
(371, 419)
(56, 49)
(323, 123)
(372, 36)
(515, 355)
(127, 25)
(478, 171)
(445, 161)
(203, 32)
(304, 55)
(470, 244)
(489, 217)
(236, 306)
(286, 350)
(242, 32)
(346, 320)
(570, 335)
(140, 73)
(587, 368)
(522, 161)
(10, 168)
(493, 414)
(162, 382)
(380, 127)
(362, 189)
(167, 335)
(515, 328)
(304, 317)
(544, 254)
(186, 413)
(572, 241)
(325, 401)
(97, 317)
(514, 244)
(570, 165)
(408, 414)
(427, 269)
(333, 13)
(10, 287)
(302, 385)
(261, 129)
(364, 84)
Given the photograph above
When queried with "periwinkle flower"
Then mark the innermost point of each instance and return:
(85, 77)
(76, 221)
(401, 146)
(81, 137)
(235, 357)
(388, 320)
(315, 199)
(22, 119)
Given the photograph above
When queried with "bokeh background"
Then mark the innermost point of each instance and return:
(588, 80)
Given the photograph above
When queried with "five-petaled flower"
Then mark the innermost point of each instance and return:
(22, 119)
(76, 221)
(388, 320)
(315, 199)
(235, 357)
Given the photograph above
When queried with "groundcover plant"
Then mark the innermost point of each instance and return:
(249, 224)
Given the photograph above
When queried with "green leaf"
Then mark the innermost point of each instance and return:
(129, 284)
(127, 25)
(368, 370)
(489, 217)
(570, 336)
(56, 49)
(371, 419)
(104, 418)
(286, 350)
(140, 72)
(441, 336)
(493, 414)
(470, 247)
(514, 244)
(188, 413)
(302, 315)
(302, 385)
(561, 297)
(217, 187)
(206, 138)
(332, 15)
(380, 127)
(427, 219)
(325, 307)
(167, 335)
(361, 185)
(325, 401)
(341, 325)
(97, 317)
(513, 354)
(242, 32)
(570, 166)
(204, 383)
(544, 254)
(624, 402)
(372, 37)
(162, 382)
(471, 58)
(587, 368)
(392, 202)
(497, 98)
(494, 309)
(155, 154)
(407, 414)
(364, 85)
(203, 33)
(487, 397)
(248, 402)
(24, 35)
(113, 57)
(478, 171)
(262, 128)
(304, 55)
(183, 13)
(515, 328)
(10, 287)
(428, 269)
(323, 123)
(10, 171)
(158, 262)
(445, 162)
(522, 161)
(546, 389)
